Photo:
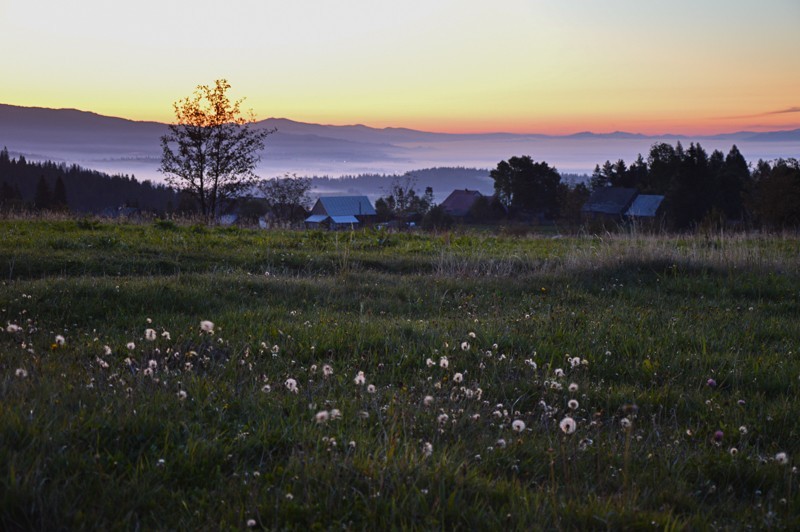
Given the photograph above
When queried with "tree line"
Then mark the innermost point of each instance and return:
(36, 186)
(697, 187)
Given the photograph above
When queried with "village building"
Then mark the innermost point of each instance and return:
(645, 207)
(459, 202)
(341, 212)
(609, 203)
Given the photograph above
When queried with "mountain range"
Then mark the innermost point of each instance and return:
(120, 145)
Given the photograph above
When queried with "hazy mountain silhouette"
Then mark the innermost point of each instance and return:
(119, 145)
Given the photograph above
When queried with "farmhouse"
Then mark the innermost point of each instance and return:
(459, 202)
(609, 203)
(341, 212)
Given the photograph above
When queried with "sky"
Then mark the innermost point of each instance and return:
(523, 66)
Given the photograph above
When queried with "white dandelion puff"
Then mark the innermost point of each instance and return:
(291, 385)
(150, 335)
(444, 363)
(428, 401)
(360, 379)
(572, 404)
(60, 340)
(371, 388)
(13, 328)
(782, 458)
(518, 425)
(427, 449)
(465, 346)
(21, 373)
(567, 425)
(207, 326)
(322, 416)
(458, 378)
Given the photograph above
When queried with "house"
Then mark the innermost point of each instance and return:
(459, 202)
(645, 206)
(609, 203)
(341, 212)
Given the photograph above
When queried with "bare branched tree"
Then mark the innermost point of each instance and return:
(288, 196)
(211, 150)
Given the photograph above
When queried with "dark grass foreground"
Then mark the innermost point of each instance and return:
(676, 359)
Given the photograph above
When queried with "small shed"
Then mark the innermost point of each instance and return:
(341, 212)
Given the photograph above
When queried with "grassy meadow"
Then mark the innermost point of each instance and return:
(379, 381)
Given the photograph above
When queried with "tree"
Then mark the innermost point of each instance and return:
(523, 185)
(403, 202)
(211, 150)
(60, 196)
(43, 198)
(287, 197)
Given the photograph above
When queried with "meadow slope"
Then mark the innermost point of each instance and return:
(373, 380)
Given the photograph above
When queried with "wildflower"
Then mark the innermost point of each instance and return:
(251, 523)
(182, 395)
(558, 372)
(427, 449)
(106, 350)
(518, 425)
(266, 388)
(289, 496)
(360, 379)
(428, 401)
(102, 363)
(718, 435)
(21, 373)
(572, 404)
(575, 362)
(152, 364)
(352, 444)
(743, 430)
(336, 414)
(443, 362)
(371, 388)
(430, 363)
(327, 370)
(585, 443)
(458, 377)
(711, 383)
(275, 349)
(472, 335)
(161, 462)
(13, 328)
(207, 326)
(165, 335)
(291, 385)
(567, 425)
(573, 387)
(442, 419)
(625, 423)
(150, 335)
(501, 443)
(734, 451)
(131, 346)
(322, 416)
(60, 341)
(782, 458)
(465, 346)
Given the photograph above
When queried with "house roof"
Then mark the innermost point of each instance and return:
(459, 202)
(316, 218)
(344, 219)
(347, 205)
(610, 200)
(645, 206)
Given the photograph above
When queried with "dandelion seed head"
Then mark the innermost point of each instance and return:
(734, 451)
(518, 425)
(572, 404)
(182, 395)
(567, 425)
(428, 400)
(327, 370)
(322, 416)
(458, 378)
(150, 335)
(371, 388)
(625, 423)
(743, 430)
(465, 346)
(501, 443)
(21, 373)
(472, 335)
(442, 419)
(60, 341)
(782, 458)
(360, 379)
(573, 387)
(251, 523)
(444, 363)
(13, 328)
(291, 385)
(427, 449)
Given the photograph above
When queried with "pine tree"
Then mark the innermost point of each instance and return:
(43, 199)
(59, 201)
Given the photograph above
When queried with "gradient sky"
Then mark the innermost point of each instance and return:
(549, 66)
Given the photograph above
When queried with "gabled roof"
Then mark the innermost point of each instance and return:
(645, 206)
(610, 200)
(316, 218)
(459, 202)
(344, 219)
(346, 206)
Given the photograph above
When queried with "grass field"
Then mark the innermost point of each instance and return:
(622, 381)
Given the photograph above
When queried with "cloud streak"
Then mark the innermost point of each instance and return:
(788, 110)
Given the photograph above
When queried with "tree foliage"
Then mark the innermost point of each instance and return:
(212, 150)
(403, 202)
(523, 185)
(287, 197)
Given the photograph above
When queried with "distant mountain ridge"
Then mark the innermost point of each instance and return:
(120, 145)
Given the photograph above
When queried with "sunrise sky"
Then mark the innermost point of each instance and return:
(535, 66)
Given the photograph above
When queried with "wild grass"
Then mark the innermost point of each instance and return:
(686, 379)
